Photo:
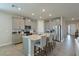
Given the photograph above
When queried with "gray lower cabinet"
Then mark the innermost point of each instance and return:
(16, 38)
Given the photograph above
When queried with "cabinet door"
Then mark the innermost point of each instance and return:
(17, 24)
(14, 24)
(14, 38)
(19, 38)
(21, 24)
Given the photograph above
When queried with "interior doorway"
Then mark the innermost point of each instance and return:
(68, 29)
(72, 29)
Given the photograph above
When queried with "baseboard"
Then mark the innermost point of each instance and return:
(5, 44)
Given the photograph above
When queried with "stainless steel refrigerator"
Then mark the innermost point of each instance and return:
(57, 33)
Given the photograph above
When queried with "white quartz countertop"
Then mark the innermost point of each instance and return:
(37, 36)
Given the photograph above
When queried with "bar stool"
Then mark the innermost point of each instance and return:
(44, 53)
(39, 47)
(47, 45)
(51, 41)
(54, 44)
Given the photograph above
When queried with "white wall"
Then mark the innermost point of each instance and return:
(40, 26)
(64, 28)
(72, 29)
(5, 29)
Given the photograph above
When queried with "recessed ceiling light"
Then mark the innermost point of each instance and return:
(50, 14)
(19, 8)
(40, 17)
(43, 10)
(33, 14)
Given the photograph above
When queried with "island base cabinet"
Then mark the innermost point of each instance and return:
(28, 46)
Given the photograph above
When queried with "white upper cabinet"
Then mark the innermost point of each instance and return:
(17, 24)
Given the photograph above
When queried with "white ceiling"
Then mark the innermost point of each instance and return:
(68, 10)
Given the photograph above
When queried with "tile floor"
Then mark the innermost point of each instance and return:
(12, 50)
(66, 48)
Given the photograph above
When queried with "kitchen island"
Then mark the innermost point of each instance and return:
(29, 42)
